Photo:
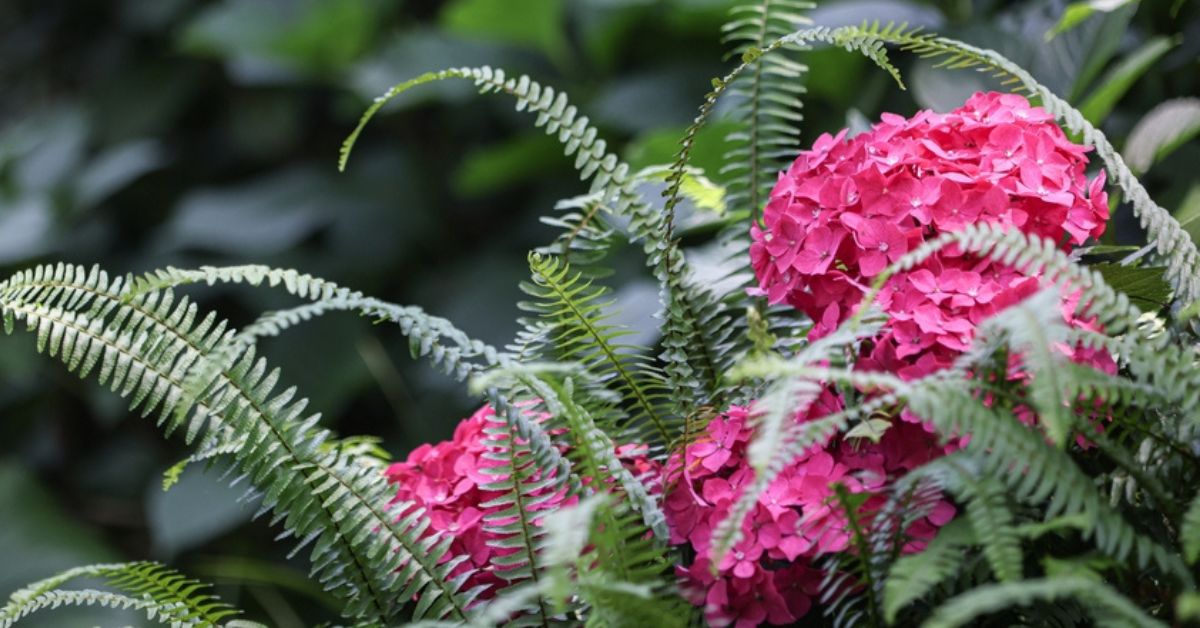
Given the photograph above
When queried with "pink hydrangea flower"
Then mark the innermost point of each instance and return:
(447, 479)
(837, 217)
(769, 576)
(846, 209)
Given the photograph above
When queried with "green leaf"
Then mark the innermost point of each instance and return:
(870, 428)
(1145, 286)
(659, 147)
(1168, 126)
(1079, 11)
(303, 37)
(537, 24)
(1189, 533)
(1102, 99)
(1187, 606)
(494, 168)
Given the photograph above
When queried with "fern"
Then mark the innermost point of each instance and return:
(1034, 328)
(991, 519)
(770, 100)
(145, 344)
(164, 595)
(693, 321)
(577, 312)
(519, 476)
(594, 450)
(1107, 607)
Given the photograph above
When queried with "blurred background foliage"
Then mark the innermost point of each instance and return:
(142, 133)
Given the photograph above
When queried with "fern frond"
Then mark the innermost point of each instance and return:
(578, 312)
(525, 484)
(991, 519)
(595, 451)
(777, 439)
(1106, 606)
(1189, 532)
(768, 113)
(1043, 471)
(583, 542)
(1034, 327)
(693, 320)
(144, 345)
(163, 594)
(914, 576)
(86, 597)
(303, 285)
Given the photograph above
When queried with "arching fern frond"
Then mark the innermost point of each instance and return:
(914, 576)
(694, 323)
(163, 594)
(594, 451)
(579, 313)
(1106, 606)
(145, 344)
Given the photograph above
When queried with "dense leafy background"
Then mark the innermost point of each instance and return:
(142, 133)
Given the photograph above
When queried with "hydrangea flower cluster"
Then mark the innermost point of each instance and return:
(838, 216)
(769, 576)
(842, 213)
(847, 209)
(447, 479)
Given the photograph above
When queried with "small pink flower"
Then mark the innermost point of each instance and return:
(448, 479)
